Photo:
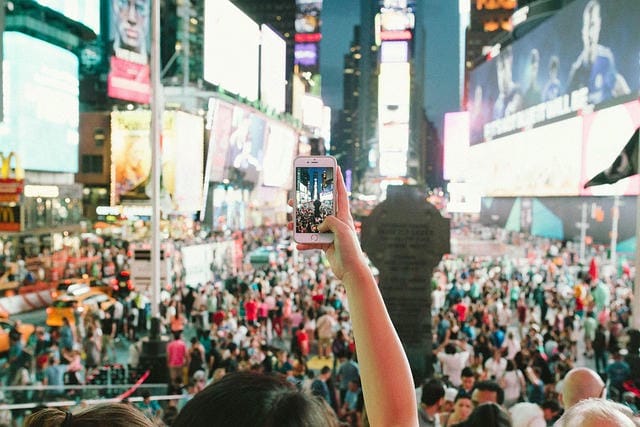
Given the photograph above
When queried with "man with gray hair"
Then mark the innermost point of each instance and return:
(596, 412)
(579, 384)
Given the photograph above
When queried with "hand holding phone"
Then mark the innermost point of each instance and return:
(314, 197)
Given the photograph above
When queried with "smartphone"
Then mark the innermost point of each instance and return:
(315, 197)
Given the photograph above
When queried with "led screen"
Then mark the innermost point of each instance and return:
(40, 104)
(308, 16)
(278, 157)
(129, 72)
(456, 145)
(231, 49)
(557, 159)
(182, 160)
(86, 12)
(273, 69)
(583, 57)
(236, 144)
(393, 117)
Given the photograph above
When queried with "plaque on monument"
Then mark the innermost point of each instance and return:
(405, 238)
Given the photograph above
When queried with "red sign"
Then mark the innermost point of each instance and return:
(129, 81)
(395, 35)
(308, 37)
(10, 190)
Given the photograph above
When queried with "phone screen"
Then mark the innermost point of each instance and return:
(314, 197)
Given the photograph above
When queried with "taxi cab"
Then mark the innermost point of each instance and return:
(87, 299)
(5, 327)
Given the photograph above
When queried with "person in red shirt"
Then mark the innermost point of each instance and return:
(177, 358)
(303, 340)
(251, 310)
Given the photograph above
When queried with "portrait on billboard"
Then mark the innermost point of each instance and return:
(130, 155)
(308, 18)
(245, 152)
(595, 65)
(130, 29)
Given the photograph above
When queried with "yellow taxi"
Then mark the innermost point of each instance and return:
(25, 330)
(88, 299)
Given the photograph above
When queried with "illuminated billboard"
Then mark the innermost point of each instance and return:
(231, 49)
(236, 143)
(557, 159)
(273, 69)
(456, 145)
(394, 93)
(129, 73)
(41, 107)
(308, 16)
(182, 160)
(87, 12)
(584, 57)
(280, 148)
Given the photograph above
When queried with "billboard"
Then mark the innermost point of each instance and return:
(40, 103)
(130, 155)
(231, 49)
(273, 69)
(308, 16)
(584, 57)
(394, 94)
(280, 148)
(87, 12)
(557, 159)
(236, 143)
(129, 74)
(182, 160)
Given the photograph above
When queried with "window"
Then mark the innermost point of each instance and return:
(91, 163)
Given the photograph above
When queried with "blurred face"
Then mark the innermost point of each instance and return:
(467, 382)
(131, 23)
(591, 24)
(463, 408)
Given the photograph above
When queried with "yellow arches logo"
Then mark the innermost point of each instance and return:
(5, 169)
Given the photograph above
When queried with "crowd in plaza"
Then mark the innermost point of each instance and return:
(509, 333)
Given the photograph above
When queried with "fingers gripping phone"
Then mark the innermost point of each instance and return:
(314, 197)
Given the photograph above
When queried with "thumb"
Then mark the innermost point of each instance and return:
(328, 225)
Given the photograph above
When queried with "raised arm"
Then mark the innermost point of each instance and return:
(387, 383)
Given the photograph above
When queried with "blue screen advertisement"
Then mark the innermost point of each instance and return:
(41, 104)
(585, 57)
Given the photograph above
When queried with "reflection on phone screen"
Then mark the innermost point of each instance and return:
(314, 197)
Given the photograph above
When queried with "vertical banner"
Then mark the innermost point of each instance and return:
(129, 75)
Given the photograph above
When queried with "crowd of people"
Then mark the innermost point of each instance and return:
(518, 340)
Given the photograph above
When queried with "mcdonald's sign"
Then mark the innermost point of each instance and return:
(10, 186)
(10, 218)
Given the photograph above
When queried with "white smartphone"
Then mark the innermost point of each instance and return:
(315, 196)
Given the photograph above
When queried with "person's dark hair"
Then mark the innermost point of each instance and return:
(450, 348)
(432, 392)
(102, 415)
(510, 365)
(249, 399)
(325, 370)
(491, 386)
(467, 372)
(177, 335)
(487, 415)
(552, 405)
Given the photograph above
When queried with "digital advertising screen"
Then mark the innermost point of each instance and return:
(279, 152)
(41, 107)
(585, 57)
(231, 49)
(308, 16)
(219, 139)
(246, 146)
(273, 69)
(182, 160)
(129, 73)
(87, 12)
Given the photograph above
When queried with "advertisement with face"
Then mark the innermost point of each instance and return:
(585, 57)
(128, 78)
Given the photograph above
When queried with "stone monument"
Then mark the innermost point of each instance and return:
(405, 238)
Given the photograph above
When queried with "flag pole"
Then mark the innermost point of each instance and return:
(156, 127)
(636, 285)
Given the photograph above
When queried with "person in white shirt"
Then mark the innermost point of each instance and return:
(511, 345)
(452, 361)
(496, 366)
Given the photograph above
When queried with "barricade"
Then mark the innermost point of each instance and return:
(26, 302)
